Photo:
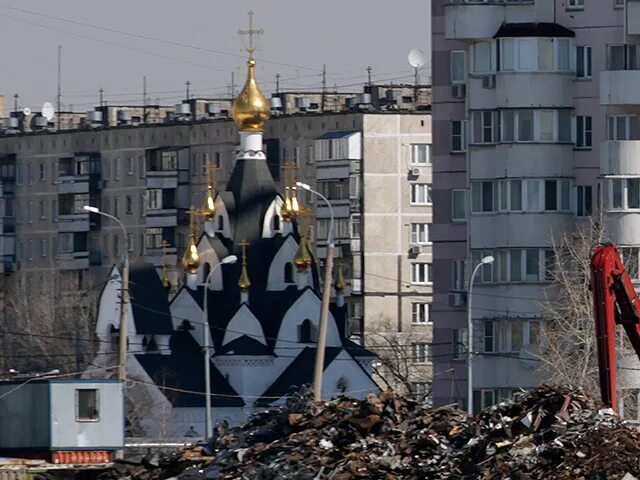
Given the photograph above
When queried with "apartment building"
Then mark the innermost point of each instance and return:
(373, 164)
(535, 124)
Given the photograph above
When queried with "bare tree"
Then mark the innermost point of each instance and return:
(398, 366)
(49, 322)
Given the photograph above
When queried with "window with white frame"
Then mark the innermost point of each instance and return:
(355, 226)
(583, 61)
(584, 200)
(421, 194)
(458, 67)
(514, 265)
(584, 132)
(509, 335)
(621, 57)
(458, 275)
(483, 57)
(624, 193)
(618, 3)
(483, 398)
(153, 238)
(419, 233)
(485, 126)
(460, 341)
(533, 195)
(458, 205)
(154, 199)
(420, 154)
(526, 125)
(577, 4)
(622, 127)
(458, 135)
(420, 313)
(421, 273)
(535, 54)
(419, 352)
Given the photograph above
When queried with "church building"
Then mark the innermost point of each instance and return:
(252, 271)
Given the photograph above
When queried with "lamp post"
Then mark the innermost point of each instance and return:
(326, 297)
(124, 297)
(205, 321)
(484, 261)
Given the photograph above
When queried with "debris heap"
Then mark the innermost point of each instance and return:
(547, 433)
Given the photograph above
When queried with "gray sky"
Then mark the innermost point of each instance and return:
(301, 35)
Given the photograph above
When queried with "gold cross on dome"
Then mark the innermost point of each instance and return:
(251, 32)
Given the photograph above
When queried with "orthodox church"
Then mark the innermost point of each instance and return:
(253, 272)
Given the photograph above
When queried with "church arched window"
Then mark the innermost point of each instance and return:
(206, 269)
(288, 272)
(220, 223)
(276, 222)
(305, 331)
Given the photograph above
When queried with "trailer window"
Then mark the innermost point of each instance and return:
(87, 408)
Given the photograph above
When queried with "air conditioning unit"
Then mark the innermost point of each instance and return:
(415, 250)
(457, 299)
(489, 81)
(415, 171)
(458, 91)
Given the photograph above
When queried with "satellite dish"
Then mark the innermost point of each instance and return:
(48, 111)
(26, 111)
(416, 58)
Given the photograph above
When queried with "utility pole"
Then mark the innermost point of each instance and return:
(277, 83)
(144, 99)
(415, 87)
(59, 83)
(324, 86)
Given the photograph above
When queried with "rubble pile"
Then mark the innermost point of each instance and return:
(547, 433)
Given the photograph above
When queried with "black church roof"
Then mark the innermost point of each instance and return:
(149, 301)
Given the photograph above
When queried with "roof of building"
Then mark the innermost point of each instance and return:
(298, 373)
(183, 369)
(542, 29)
(149, 301)
(339, 134)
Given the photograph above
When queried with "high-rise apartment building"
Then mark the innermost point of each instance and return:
(369, 154)
(535, 120)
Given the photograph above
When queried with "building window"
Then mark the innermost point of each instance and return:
(583, 132)
(510, 335)
(220, 223)
(130, 242)
(576, 4)
(43, 209)
(459, 275)
(421, 194)
(355, 226)
(306, 332)
(535, 126)
(87, 405)
(129, 204)
(458, 205)
(154, 199)
(421, 273)
(42, 175)
(116, 169)
(621, 57)
(419, 233)
(584, 200)
(618, 3)
(420, 154)
(583, 62)
(624, 193)
(482, 57)
(482, 196)
(520, 195)
(153, 238)
(276, 222)
(420, 389)
(459, 339)
(485, 126)
(419, 352)
(534, 54)
(43, 247)
(420, 313)
(288, 272)
(130, 166)
(622, 127)
(514, 265)
(458, 135)
(458, 67)
(631, 259)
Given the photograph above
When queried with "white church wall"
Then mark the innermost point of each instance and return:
(358, 383)
(244, 322)
(185, 307)
(248, 375)
(285, 255)
(221, 210)
(208, 256)
(267, 226)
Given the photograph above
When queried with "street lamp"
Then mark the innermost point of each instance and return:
(205, 321)
(326, 297)
(484, 261)
(124, 297)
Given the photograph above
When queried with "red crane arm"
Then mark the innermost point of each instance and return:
(614, 302)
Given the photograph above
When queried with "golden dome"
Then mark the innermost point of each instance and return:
(250, 110)
(302, 258)
(191, 259)
(339, 285)
(209, 206)
(243, 282)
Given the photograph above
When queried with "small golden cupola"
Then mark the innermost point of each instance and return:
(191, 259)
(340, 284)
(250, 109)
(243, 282)
(303, 257)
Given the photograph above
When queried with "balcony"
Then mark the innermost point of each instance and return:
(155, 256)
(633, 17)
(73, 222)
(167, 217)
(620, 157)
(73, 184)
(619, 87)
(162, 179)
(73, 261)
(467, 21)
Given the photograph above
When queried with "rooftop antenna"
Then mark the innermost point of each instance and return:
(188, 84)
(15, 103)
(417, 60)
(101, 91)
(59, 82)
(144, 99)
(369, 69)
(324, 86)
(277, 83)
